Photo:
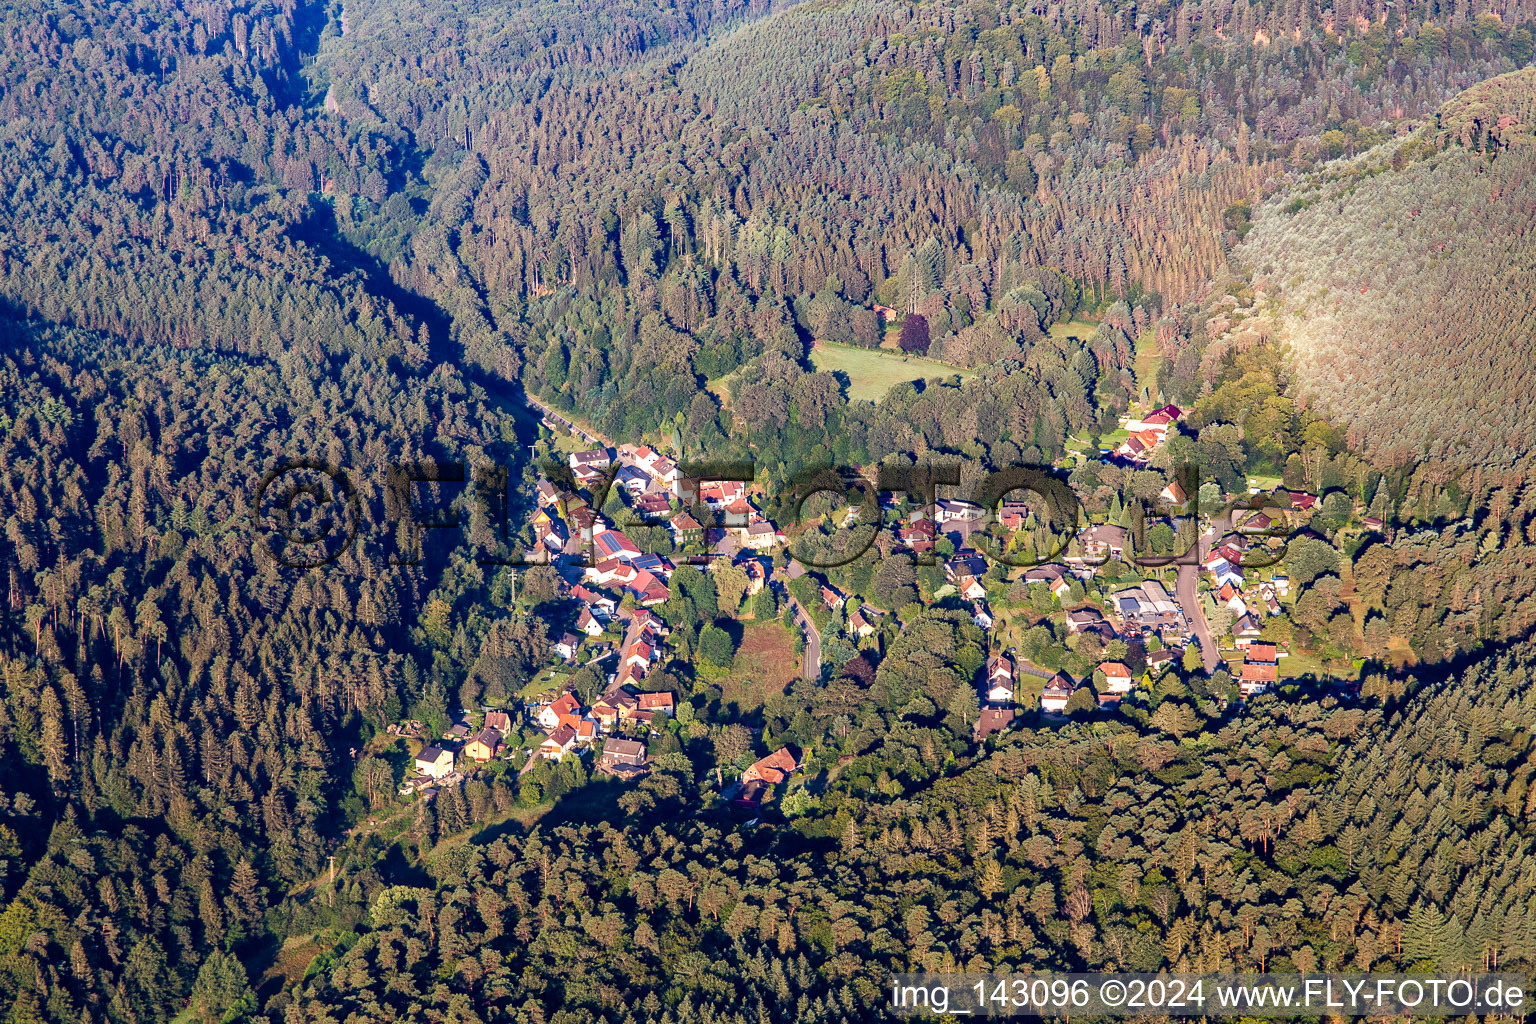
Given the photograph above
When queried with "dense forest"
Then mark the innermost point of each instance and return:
(237, 234)
(1411, 263)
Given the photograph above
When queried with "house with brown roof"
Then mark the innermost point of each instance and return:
(658, 701)
(1103, 540)
(501, 721)
(588, 623)
(613, 706)
(992, 721)
(434, 761)
(1057, 692)
(773, 769)
(484, 745)
(762, 536)
(757, 576)
(558, 743)
(1256, 678)
(1000, 682)
(624, 758)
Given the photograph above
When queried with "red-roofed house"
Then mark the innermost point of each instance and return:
(565, 709)
(773, 769)
(1117, 678)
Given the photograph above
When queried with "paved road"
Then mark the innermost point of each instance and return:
(812, 664)
(1189, 601)
(1188, 597)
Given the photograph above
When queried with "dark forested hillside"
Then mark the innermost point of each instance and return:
(1309, 837)
(360, 233)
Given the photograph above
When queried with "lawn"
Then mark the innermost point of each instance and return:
(551, 679)
(1077, 330)
(871, 373)
(720, 387)
(766, 662)
(1149, 358)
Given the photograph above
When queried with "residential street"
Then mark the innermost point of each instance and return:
(1187, 594)
(812, 664)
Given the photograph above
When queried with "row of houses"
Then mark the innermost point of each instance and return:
(441, 760)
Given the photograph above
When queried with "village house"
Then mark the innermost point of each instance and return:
(1084, 620)
(1117, 678)
(648, 590)
(614, 706)
(610, 572)
(1256, 677)
(548, 494)
(558, 743)
(633, 479)
(1013, 514)
(773, 769)
(757, 576)
(660, 701)
(1102, 541)
(501, 721)
(623, 758)
(992, 721)
(966, 576)
(953, 510)
(1048, 573)
(685, 529)
(1158, 421)
(1000, 683)
(565, 710)
(832, 598)
(566, 646)
(593, 461)
(601, 605)
(980, 614)
(762, 536)
(1057, 692)
(434, 762)
(1174, 495)
(652, 506)
(610, 543)
(919, 537)
(547, 531)
(1247, 627)
(860, 626)
(484, 745)
(588, 623)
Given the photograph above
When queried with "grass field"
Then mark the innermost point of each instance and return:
(1149, 359)
(872, 373)
(1081, 330)
(766, 663)
(720, 387)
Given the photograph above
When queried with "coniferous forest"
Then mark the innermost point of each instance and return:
(367, 234)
